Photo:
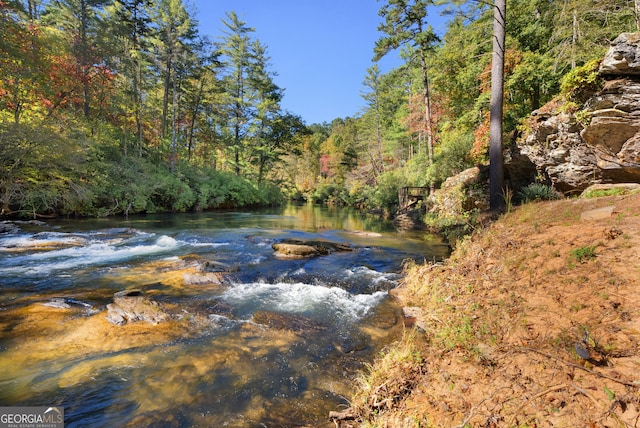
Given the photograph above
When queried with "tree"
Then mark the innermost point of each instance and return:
(234, 50)
(582, 29)
(496, 167)
(405, 24)
(132, 26)
(200, 93)
(79, 21)
(270, 130)
(175, 31)
(374, 101)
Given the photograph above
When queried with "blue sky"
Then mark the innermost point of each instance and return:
(320, 49)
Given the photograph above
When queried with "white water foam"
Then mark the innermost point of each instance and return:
(11, 243)
(92, 253)
(372, 275)
(301, 298)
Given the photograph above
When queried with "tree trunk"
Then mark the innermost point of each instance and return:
(636, 10)
(165, 96)
(379, 169)
(84, 59)
(574, 38)
(138, 95)
(194, 114)
(174, 126)
(427, 114)
(496, 162)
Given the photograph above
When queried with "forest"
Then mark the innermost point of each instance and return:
(117, 107)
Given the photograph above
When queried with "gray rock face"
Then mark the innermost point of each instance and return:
(604, 147)
(623, 58)
(556, 149)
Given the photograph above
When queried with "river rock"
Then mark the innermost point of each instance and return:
(204, 278)
(132, 306)
(294, 248)
(8, 227)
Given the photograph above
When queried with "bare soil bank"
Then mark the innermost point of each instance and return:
(533, 322)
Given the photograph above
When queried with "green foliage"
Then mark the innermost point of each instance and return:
(43, 171)
(385, 194)
(599, 193)
(452, 156)
(49, 173)
(610, 394)
(172, 194)
(94, 132)
(332, 194)
(582, 82)
(583, 254)
(538, 192)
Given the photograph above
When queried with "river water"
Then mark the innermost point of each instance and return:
(250, 339)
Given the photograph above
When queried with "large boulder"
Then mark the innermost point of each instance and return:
(460, 194)
(614, 130)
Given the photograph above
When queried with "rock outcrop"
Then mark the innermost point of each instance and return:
(132, 306)
(558, 152)
(604, 145)
(623, 58)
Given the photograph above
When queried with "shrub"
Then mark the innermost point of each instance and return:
(582, 82)
(583, 254)
(331, 193)
(538, 192)
(270, 194)
(452, 156)
(385, 195)
(172, 194)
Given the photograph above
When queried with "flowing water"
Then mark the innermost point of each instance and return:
(250, 339)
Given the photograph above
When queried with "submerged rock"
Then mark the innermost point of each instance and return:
(68, 303)
(205, 278)
(294, 248)
(132, 306)
(289, 322)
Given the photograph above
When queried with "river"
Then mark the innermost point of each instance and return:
(250, 339)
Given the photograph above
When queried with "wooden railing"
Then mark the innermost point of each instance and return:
(408, 196)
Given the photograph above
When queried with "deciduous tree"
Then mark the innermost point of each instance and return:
(405, 23)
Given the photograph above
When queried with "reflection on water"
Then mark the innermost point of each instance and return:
(251, 340)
